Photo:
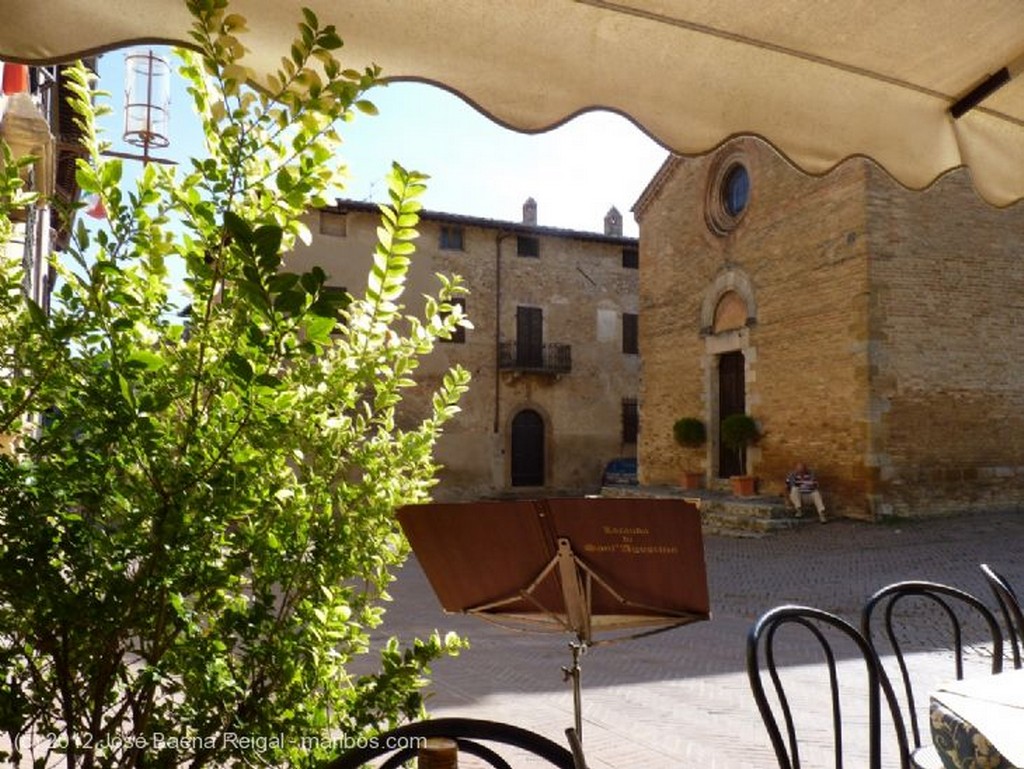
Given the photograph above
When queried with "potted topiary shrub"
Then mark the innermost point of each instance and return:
(738, 432)
(690, 433)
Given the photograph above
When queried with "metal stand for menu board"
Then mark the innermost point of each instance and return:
(618, 568)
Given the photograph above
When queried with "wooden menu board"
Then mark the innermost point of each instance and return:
(639, 563)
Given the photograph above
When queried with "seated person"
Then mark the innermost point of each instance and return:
(801, 482)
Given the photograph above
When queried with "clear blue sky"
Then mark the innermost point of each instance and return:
(575, 172)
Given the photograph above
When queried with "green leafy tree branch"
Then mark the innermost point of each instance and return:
(197, 520)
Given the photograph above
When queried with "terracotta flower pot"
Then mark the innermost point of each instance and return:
(691, 480)
(743, 485)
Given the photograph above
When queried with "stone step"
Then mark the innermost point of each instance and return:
(722, 513)
(744, 518)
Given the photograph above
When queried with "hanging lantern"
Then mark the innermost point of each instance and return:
(147, 100)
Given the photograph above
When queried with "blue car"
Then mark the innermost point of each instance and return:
(620, 472)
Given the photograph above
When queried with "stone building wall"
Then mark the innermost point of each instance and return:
(582, 289)
(947, 310)
(879, 344)
(796, 256)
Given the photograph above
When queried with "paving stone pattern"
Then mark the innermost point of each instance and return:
(681, 698)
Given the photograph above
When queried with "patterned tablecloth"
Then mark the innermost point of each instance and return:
(979, 723)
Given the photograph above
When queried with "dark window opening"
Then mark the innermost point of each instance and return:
(630, 420)
(630, 258)
(527, 245)
(736, 190)
(630, 333)
(451, 238)
(333, 224)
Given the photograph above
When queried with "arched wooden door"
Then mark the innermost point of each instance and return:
(732, 399)
(528, 449)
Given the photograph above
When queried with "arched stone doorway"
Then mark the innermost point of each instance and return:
(728, 313)
(527, 450)
(732, 399)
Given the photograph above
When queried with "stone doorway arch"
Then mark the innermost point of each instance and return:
(728, 315)
(528, 437)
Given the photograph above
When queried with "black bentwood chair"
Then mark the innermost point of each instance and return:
(469, 734)
(832, 633)
(910, 613)
(1009, 605)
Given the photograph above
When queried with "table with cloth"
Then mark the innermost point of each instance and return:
(978, 723)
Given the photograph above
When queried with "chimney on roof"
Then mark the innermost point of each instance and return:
(530, 212)
(613, 222)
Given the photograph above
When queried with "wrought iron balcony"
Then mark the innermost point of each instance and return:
(533, 358)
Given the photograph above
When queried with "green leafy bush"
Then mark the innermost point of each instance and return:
(738, 432)
(196, 514)
(689, 432)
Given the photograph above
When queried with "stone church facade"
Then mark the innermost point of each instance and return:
(552, 352)
(872, 331)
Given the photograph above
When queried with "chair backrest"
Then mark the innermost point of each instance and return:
(1009, 605)
(469, 734)
(950, 606)
(831, 633)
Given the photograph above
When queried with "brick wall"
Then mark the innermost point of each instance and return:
(948, 398)
(800, 249)
(880, 348)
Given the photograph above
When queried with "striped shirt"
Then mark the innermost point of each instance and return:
(805, 481)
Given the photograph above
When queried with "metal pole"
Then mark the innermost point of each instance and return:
(578, 649)
(148, 135)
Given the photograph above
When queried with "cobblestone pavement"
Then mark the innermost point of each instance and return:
(681, 698)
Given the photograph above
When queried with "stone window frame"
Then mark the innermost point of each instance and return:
(718, 213)
(452, 238)
(333, 224)
(732, 280)
(529, 404)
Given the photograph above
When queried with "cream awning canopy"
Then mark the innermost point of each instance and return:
(821, 80)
